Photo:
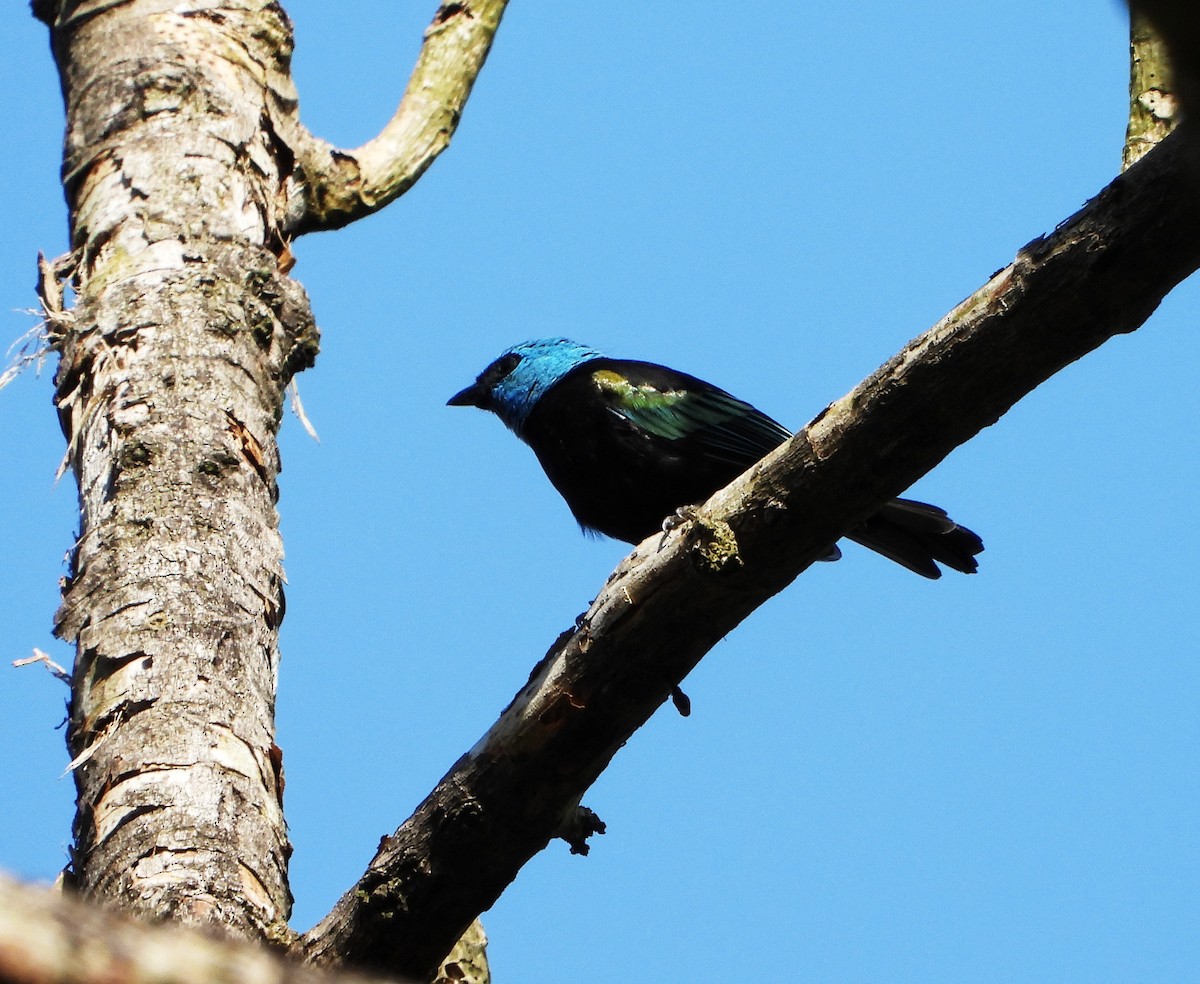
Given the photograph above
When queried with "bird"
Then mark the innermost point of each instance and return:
(632, 444)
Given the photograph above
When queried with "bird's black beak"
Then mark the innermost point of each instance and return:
(473, 396)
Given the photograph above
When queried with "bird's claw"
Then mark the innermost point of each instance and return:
(684, 514)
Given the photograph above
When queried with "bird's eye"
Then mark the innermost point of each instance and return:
(499, 369)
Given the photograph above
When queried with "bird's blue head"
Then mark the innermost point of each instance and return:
(512, 385)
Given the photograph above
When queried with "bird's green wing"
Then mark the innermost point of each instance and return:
(677, 407)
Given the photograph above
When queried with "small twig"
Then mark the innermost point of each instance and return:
(41, 657)
(19, 352)
(298, 410)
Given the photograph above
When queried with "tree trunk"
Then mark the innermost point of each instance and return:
(174, 359)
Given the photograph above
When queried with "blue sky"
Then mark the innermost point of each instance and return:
(987, 778)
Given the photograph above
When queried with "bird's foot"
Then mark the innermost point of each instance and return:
(682, 702)
(684, 514)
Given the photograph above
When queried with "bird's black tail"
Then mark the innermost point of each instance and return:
(916, 534)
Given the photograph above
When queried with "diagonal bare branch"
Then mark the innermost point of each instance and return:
(1102, 272)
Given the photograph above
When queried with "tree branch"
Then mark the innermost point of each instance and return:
(1178, 22)
(340, 186)
(1153, 107)
(1102, 272)
(48, 937)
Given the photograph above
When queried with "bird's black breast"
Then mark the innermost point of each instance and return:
(621, 478)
